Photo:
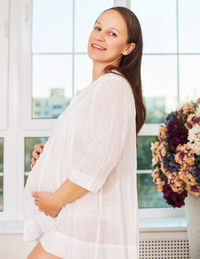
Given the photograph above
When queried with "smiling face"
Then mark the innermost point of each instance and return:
(108, 39)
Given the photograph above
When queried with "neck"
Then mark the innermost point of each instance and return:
(97, 71)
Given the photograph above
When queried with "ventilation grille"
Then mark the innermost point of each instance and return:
(164, 249)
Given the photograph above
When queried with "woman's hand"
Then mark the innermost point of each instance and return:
(38, 149)
(46, 203)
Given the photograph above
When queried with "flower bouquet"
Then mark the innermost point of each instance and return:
(176, 155)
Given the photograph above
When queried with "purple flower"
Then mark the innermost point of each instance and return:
(164, 178)
(170, 117)
(195, 171)
(172, 198)
(177, 134)
(170, 164)
(198, 159)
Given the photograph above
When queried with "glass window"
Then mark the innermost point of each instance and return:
(82, 72)
(189, 20)
(52, 85)
(144, 155)
(52, 26)
(189, 78)
(159, 79)
(1, 172)
(29, 143)
(148, 195)
(158, 22)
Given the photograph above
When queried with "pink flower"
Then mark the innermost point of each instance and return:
(186, 176)
(164, 170)
(158, 179)
(188, 108)
(162, 135)
(184, 155)
(159, 150)
(192, 120)
(175, 182)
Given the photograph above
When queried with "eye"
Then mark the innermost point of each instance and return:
(113, 34)
(97, 28)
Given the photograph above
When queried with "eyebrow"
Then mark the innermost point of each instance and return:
(110, 27)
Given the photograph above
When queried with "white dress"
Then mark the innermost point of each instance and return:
(93, 144)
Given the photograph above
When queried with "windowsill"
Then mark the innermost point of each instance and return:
(172, 224)
(11, 227)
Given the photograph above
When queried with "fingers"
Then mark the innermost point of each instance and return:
(36, 195)
(54, 214)
(38, 149)
(35, 155)
(33, 161)
(43, 144)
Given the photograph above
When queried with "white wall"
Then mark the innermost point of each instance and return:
(12, 246)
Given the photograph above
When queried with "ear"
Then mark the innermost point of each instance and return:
(129, 49)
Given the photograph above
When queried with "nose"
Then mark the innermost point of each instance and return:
(100, 36)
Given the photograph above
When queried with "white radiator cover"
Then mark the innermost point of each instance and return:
(150, 248)
(164, 249)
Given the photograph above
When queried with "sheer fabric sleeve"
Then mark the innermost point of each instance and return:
(105, 130)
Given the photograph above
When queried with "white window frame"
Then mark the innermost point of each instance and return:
(4, 46)
(10, 132)
(4, 41)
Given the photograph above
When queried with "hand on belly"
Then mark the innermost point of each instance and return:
(45, 203)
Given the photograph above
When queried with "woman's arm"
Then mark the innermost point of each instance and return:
(51, 203)
(68, 192)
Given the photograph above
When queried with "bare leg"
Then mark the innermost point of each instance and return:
(39, 253)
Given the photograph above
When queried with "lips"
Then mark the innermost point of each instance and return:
(97, 46)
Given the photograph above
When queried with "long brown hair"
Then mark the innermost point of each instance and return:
(130, 65)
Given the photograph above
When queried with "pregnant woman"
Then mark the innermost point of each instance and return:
(81, 194)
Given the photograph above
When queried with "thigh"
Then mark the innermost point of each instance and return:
(39, 253)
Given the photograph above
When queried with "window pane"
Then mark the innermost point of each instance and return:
(144, 155)
(29, 143)
(1, 155)
(1, 192)
(158, 22)
(85, 18)
(189, 78)
(159, 78)
(52, 26)
(83, 71)
(1, 172)
(52, 85)
(189, 20)
(148, 195)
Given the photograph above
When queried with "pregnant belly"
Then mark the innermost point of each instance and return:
(49, 172)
